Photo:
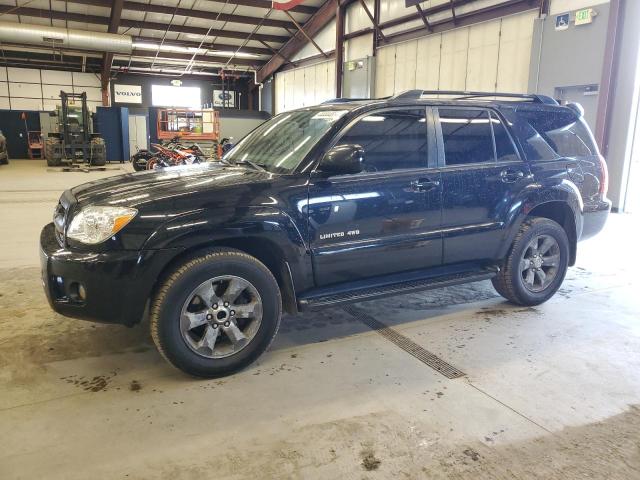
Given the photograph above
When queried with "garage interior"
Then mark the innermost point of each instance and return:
(449, 383)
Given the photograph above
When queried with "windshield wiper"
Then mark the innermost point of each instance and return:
(260, 168)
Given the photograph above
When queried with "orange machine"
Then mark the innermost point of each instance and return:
(35, 144)
(189, 124)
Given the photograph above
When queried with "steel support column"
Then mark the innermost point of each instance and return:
(340, 9)
(609, 71)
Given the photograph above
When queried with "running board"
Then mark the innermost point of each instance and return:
(313, 302)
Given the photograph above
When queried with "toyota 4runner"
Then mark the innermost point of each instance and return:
(341, 202)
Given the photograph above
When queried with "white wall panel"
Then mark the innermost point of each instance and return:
(4, 89)
(52, 92)
(279, 93)
(305, 86)
(49, 105)
(405, 67)
(482, 59)
(25, 90)
(563, 6)
(86, 80)
(4, 103)
(358, 47)
(23, 75)
(453, 64)
(55, 77)
(326, 40)
(326, 81)
(385, 71)
(329, 91)
(93, 94)
(26, 104)
(93, 105)
(515, 52)
(486, 56)
(356, 18)
(310, 85)
(298, 87)
(428, 62)
(3, 74)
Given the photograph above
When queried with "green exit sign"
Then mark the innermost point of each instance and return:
(584, 16)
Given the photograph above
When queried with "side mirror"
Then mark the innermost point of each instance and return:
(342, 160)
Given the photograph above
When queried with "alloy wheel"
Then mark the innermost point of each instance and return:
(539, 263)
(221, 316)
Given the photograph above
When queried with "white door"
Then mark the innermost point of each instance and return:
(138, 138)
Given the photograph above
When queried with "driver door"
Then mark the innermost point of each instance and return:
(385, 219)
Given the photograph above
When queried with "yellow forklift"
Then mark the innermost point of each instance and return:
(74, 143)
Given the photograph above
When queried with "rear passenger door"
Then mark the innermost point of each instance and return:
(481, 172)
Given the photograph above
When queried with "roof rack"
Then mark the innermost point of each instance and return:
(341, 100)
(465, 95)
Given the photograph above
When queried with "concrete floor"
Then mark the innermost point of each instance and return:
(551, 392)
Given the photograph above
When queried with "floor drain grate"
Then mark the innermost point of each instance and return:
(406, 344)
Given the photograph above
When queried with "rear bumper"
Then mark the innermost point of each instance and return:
(116, 284)
(594, 218)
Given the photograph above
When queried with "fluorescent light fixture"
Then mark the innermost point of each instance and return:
(154, 47)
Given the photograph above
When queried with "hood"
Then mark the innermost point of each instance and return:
(137, 189)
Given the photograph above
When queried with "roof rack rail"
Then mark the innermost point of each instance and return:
(465, 95)
(341, 100)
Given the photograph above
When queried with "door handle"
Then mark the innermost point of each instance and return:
(424, 185)
(511, 176)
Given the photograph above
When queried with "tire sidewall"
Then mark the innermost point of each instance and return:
(547, 227)
(175, 347)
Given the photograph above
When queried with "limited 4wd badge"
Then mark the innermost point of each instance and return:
(329, 236)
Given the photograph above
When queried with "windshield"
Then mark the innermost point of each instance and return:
(280, 144)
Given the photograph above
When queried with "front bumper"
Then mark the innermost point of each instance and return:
(115, 285)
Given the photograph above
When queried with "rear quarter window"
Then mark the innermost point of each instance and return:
(557, 134)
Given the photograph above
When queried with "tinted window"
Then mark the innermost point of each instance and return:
(391, 140)
(505, 150)
(565, 134)
(466, 135)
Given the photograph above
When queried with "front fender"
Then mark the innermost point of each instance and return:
(207, 227)
(535, 195)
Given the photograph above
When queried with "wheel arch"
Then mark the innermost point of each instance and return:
(264, 250)
(275, 242)
(561, 203)
(563, 215)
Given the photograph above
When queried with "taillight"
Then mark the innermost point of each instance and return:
(604, 177)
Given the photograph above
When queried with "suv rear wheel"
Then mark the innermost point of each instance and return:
(216, 313)
(536, 264)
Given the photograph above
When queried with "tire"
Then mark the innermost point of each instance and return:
(177, 307)
(50, 152)
(513, 282)
(98, 152)
(140, 161)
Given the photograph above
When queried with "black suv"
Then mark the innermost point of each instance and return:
(342, 202)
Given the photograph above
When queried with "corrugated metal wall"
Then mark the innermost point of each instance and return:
(491, 56)
(32, 89)
(305, 86)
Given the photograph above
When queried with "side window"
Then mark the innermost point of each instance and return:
(505, 150)
(565, 134)
(466, 135)
(391, 140)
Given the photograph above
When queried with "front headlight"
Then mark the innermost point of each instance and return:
(96, 224)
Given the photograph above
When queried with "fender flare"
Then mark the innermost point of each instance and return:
(535, 196)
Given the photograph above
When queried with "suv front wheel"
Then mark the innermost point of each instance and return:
(536, 264)
(216, 313)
